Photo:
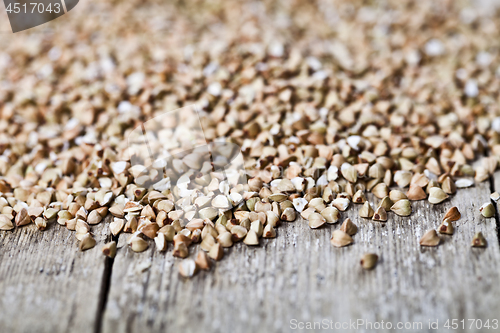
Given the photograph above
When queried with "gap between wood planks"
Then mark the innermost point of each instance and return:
(493, 189)
(497, 217)
(108, 268)
(105, 286)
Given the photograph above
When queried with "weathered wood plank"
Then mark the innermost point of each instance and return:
(299, 275)
(46, 283)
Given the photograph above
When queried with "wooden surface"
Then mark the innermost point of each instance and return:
(299, 275)
(47, 284)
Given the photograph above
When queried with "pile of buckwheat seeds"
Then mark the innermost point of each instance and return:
(327, 102)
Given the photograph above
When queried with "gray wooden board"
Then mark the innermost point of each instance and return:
(300, 275)
(46, 283)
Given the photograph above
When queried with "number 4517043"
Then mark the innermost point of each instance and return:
(471, 324)
(33, 7)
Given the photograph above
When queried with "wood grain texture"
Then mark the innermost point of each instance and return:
(300, 275)
(46, 283)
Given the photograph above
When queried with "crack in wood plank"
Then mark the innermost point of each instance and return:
(106, 281)
(493, 188)
(103, 294)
